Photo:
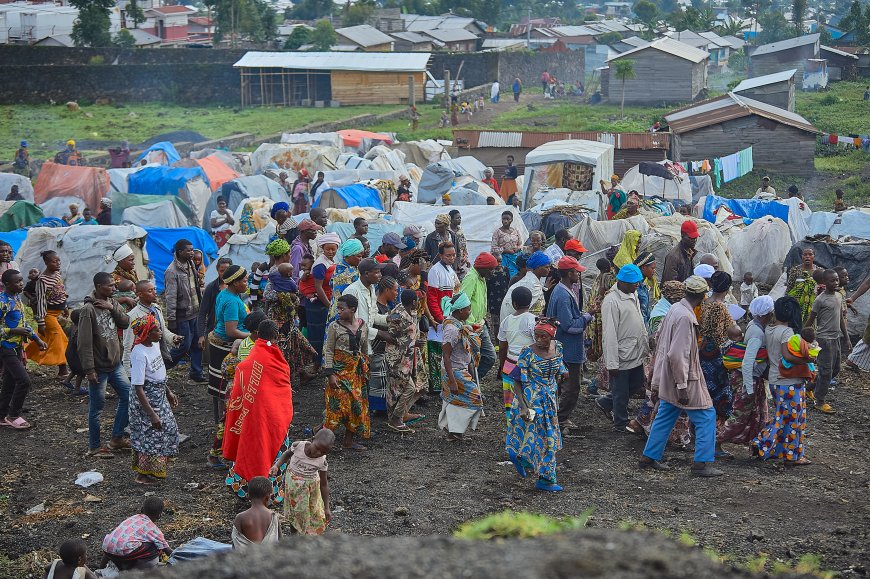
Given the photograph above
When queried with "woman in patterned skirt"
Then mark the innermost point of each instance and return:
(533, 436)
(461, 398)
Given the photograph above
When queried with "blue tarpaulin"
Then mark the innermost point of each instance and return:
(353, 196)
(162, 180)
(165, 146)
(14, 238)
(159, 245)
(749, 208)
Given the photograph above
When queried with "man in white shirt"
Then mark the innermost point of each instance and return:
(146, 291)
(765, 192)
(363, 290)
(625, 345)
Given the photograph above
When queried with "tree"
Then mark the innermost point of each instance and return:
(124, 39)
(731, 28)
(692, 19)
(856, 21)
(648, 14)
(91, 28)
(774, 27)
(624, 69)
(134, 14)
(608, 38)
(300, 35)
(798, 15)
(359, 12)
(311, 9)
(323, 37)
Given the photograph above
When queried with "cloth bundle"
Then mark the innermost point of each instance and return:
(807, 352)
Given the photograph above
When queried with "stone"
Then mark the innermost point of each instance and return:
(401, 512)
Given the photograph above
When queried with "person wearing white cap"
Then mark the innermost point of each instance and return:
(104, 217)
(750, 412)
(679, 382)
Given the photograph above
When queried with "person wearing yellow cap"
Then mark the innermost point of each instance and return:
(70, 155)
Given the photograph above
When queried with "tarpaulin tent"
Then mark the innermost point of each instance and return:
(160, 242)
(162, 153)
(594, 201)
(190, 184)
(87, 183)
(327, 139)
(552, 164)
(852, 223)
(351, 196)
(83, 251)
(422, 153)
(167, 213)
(363, 140)
(478, 221)
(386, 159)
(749, 208)
(217, 171)
(227, 158)
(16, 214)
(678, 188)
(241, 188)
(122, 201)
(375, 236)
(243, 249)
(25, 187)
(439, 178)
(14, 238)
(294, 158)
(760, 248)
(59, 206)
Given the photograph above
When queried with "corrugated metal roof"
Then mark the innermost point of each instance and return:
(688, 37)
(412, 37)
(419, 22)
(728, 107)
(715, 39)
(736, 43)
(364, 35)
(635, 41)
(758, 81)
(367, 62)
(573, 31)
(529, 140)
(837, 52)
(786, 44)
(669, 46)
(503, 43)
(450, 35)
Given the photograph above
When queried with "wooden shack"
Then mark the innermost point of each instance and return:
(330, 78)
(782, 141)
(774, 89)
(784, 55)
(665, 70)
(367, 38)
(842, 65)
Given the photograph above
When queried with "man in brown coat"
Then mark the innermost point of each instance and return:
(678, 379)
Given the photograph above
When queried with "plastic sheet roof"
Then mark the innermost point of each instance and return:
(366, 62)
(573, 151)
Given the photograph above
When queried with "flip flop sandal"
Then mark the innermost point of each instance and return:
(18, 424)
(219, 465)
(415, 420)
(401, 429)
(102, 452)
(794, 463)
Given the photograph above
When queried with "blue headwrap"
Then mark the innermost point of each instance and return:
(278, 207)
(352, 246)
(629, 273)
(457, 302)
(410, 242)
(537, 259)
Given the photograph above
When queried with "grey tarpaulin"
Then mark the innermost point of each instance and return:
(237, 190)
(855, 257)
(438, 177)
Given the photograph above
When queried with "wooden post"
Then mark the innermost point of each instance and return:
(447, 90)
(411, 97)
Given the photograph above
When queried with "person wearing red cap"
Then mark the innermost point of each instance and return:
(474, 286)
(678, 262)
(574, 248)
(565, 307)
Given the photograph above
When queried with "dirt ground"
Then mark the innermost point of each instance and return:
(422, 485)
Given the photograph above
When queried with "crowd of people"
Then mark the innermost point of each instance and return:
(394, 327)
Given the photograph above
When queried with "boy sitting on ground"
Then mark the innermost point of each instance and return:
(258, 525)
(137, 543)
(72, 563)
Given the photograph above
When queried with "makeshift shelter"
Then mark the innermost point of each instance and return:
(294, 158)
(82, 250)
(234, 161)
(17, 214)
(363, 140)
(775, 89)
(243, 249)
(649, 182)
(325, 139)
(59, 206)
(160, 247)
(760, 248)
(164, 183)
(162, 153)
(852, 223)
(236, 191)
(351, 196)
(422, 153)
(573, 164)
(217, 172)
(478, 221)
(168, 213)
(25, 187)
(441, 177)
(87, 183)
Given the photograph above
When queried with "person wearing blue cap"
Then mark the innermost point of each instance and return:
(625, 345)
(537, 268)
(21, 164)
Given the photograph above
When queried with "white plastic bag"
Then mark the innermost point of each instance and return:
(89, 478)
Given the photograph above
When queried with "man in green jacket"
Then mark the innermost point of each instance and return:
(474, 286)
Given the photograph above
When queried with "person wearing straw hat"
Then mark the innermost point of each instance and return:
(625, 345)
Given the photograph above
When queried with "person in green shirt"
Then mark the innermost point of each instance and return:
(474, 286)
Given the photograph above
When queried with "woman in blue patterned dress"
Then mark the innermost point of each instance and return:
(346, 273)
(533, 436)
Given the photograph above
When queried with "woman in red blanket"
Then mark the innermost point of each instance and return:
(259, 413)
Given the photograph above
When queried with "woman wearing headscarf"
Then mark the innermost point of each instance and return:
(317, 310)
(628, 249)
(299, 194)
(104, 217)
(800, 283)
(783, 435)
(648, 292)
(681, 437)
(615, 195)
(461, 398)
(506, 244)
(221, 220)
(538, 266)
(280, 212)
(489, 180)
(153, 429)
(750, 412)
(346, 272)
(125, 265)
(533, 435)
(230, 312)
(714, 322)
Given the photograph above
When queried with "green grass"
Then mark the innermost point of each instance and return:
(577, 117)
(839, 109)
(518, 525)
(48, 127)
(842, 162)
(744, 187)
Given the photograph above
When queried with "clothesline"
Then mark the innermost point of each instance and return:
(850, 140)
(725, 168)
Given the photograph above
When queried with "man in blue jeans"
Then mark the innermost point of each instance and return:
(99, 349)
(678, 379)
(182, 293)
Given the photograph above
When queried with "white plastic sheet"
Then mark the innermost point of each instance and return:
(760, 248)
(59, 206)
(25, 187)
(163, 214)
(851, 223)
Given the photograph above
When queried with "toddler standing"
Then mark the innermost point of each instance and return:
(306, 491)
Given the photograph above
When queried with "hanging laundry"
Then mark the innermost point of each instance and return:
(845, 140)
(717, 172)
(857, 142)
(705, 166)
(744, 164)
(729, 167)
(832, 139)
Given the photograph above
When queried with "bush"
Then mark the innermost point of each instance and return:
(829, 100)
(96, 59)
(512, 525)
